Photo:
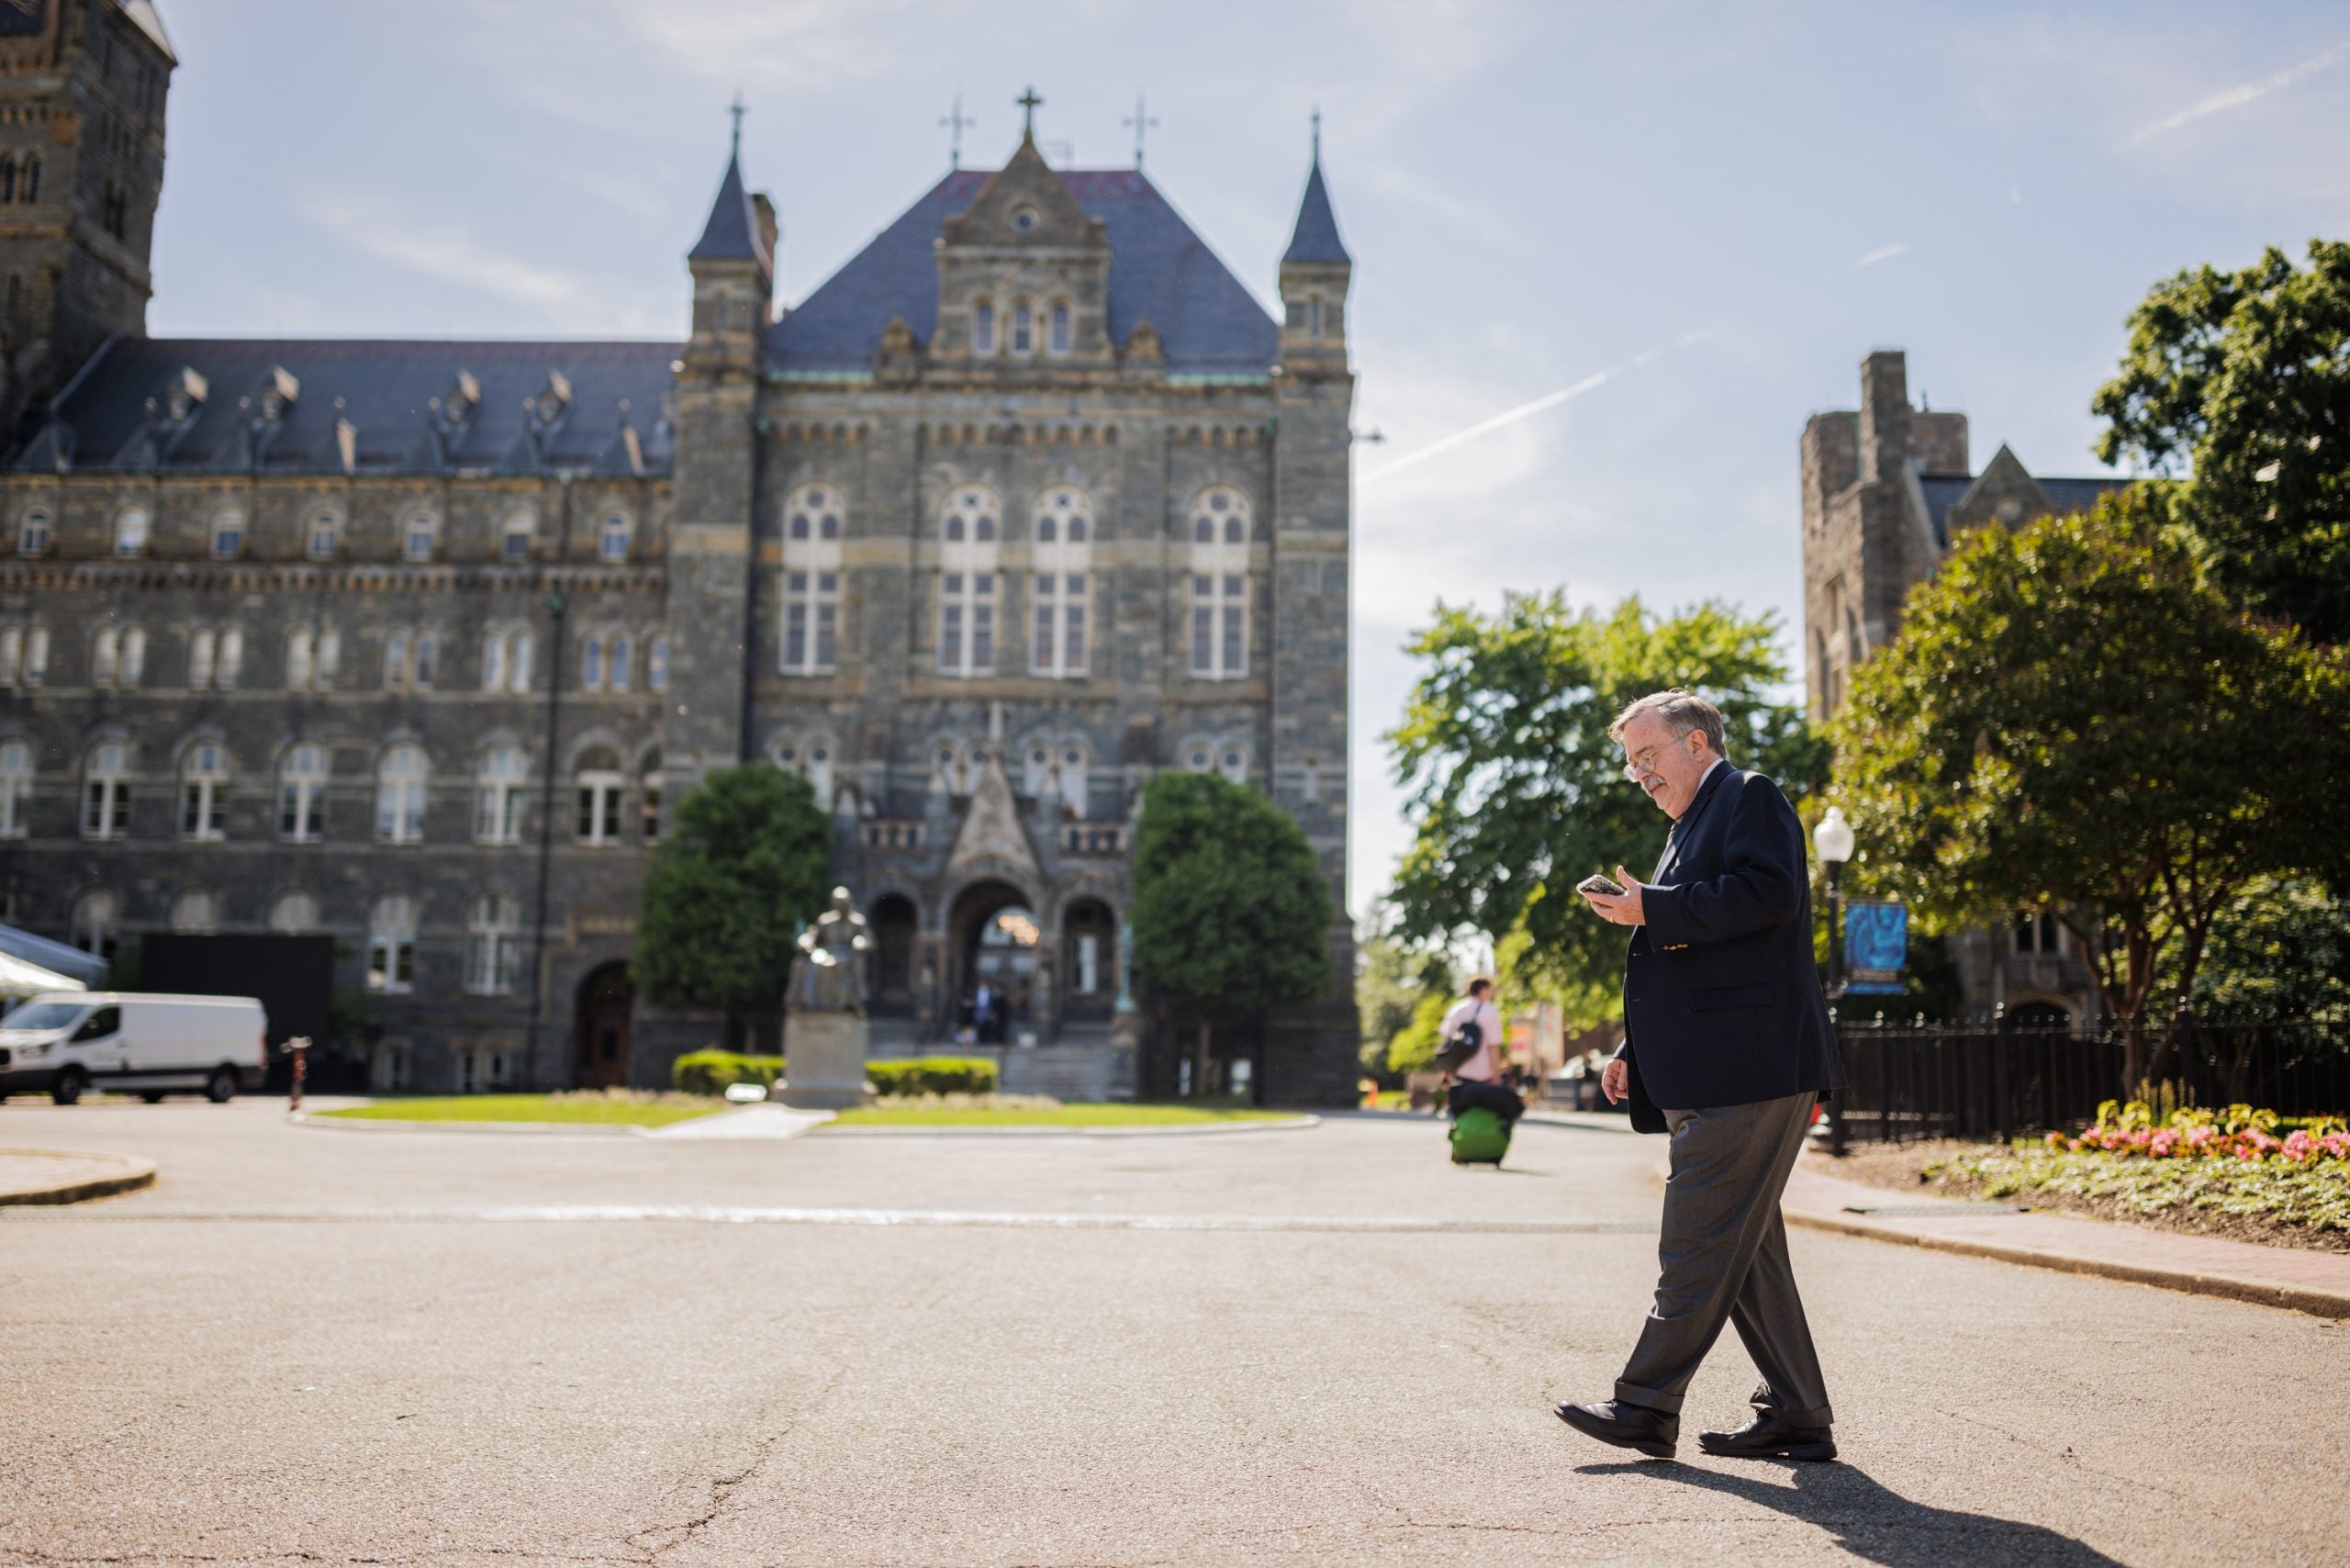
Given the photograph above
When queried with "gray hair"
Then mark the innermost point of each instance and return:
(1681, 712)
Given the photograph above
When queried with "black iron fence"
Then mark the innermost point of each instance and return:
(1991, 1080)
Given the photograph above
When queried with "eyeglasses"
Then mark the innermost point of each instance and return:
(1644, 762)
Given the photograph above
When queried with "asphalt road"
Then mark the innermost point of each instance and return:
(1324, 1346)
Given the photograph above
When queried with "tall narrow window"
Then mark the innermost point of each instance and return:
(298, 645)
(592, 665)
(105, 655)
(302, 794)
(648, 797)
(498, 795)
(134, 656)
(1023, 330)
(98, 924)
(657, 664)
(599, 807)
(514, 538)
(15, 786)
(518, 661)
(12, 654)
(32, 178)
(966, 583)
(1057, 587)
(983, 328)
(130, 532)
(395, 662)
(204, 792)
(106, 793)
(1057, 342)
(203, 646)
(491, 942)
(1219, 586)
(32, 534)
(611, 540)
(231, 661)
(616, 667)
(399, 795)
(391, 945)
(227, 536)
(420, 535)
(324, 532)
(811, 580)
(506, 661)
(427, 660)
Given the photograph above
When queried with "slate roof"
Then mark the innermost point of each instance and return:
(1943, 491)
(387, 388)
(1159, 270)
(733, 233)
(1315, 237)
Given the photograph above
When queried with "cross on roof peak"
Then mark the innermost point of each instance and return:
(738, 109)
(1028, 102)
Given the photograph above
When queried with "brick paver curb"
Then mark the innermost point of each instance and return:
(55, 1176)
(2303, 1280)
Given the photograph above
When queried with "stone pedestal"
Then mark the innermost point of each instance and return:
(824, 1061)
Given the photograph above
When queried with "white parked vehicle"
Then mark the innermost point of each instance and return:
(68, 1042)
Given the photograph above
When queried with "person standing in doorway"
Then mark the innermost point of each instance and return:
(1727, 1048)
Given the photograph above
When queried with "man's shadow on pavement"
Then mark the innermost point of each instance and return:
(1876, 1524)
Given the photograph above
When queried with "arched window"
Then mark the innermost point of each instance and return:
(1075, 776)
(203, 647)
(15, 786)
(399, 795)
(311, 654)
(302, 794)
(812, 758)
(231, 661)
(505, 660)
(1023, 330)
(592, 665)
(657, 664)
(812, 581)
(1057, 336)
(966, 583)
(983, 328)
(1219, 596)
(499, 793)
(196, 912)
(420, 535)
(12, 654)
(391, 945)
(952, 767)
(294, 914)
(32, 532)
(105, 655)
(396, 661)
(105, 791)
(7, 177)
(599, 787)
(203, 792)
(492, 940)
(618, 674)
(32, 178)
(611, 539)
(514, 537)
(227, 536)
(648, 794)
(1060, 583)
(298, 644)
(325, 532)
(98, 924)
(134, 658)
(130, 532)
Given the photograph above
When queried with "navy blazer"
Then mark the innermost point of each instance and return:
(1722, 1004)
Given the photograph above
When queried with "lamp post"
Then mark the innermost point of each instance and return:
(1833, 839)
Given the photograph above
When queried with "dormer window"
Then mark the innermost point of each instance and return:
(32, 534)
(419, 535)
(1023, 330)
(514, 539)
(1057, 342)
(130, 533)
(319, 541)
(227, 536)
(983, 328)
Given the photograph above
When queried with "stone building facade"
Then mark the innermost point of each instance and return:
(1887, 487)
(410, 643)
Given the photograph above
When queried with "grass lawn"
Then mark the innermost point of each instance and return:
(587, 1109)
(1120, 1116)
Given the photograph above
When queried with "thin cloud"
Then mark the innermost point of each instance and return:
(1881, 254)
(1548, 400)
(447, 252)
(2250, 92)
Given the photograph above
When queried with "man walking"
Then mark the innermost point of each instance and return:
(1477, 1081)
(1727, 1046)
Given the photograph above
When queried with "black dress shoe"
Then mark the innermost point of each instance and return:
(1651, 1432)
(1767, 1437)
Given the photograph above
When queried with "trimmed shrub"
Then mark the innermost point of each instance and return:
(932, 1075)
(710, 1071)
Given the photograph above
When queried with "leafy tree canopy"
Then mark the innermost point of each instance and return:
(746, 861)
(2280, 949)
(2243, 378)
(2075, 720)
(1391, 980)
(1231, 911)
(1504, 760)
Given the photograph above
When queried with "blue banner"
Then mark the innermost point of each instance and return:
(1876, 946)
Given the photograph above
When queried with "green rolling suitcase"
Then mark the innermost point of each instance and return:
(1479, 1138)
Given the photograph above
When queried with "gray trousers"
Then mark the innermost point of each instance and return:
(1723, 1258)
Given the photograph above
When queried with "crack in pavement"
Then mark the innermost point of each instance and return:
(723, 1488)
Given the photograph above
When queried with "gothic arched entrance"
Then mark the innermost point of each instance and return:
(993, 936)
(606, 998)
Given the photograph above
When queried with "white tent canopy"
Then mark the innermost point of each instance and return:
(21, 978)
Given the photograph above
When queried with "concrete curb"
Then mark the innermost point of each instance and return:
(1295, 1124)
(125, 1175)
(529, 1129)
(2235, 1271)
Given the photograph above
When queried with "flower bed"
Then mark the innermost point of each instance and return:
(2239, 1133)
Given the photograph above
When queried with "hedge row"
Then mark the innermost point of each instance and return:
(710, 1071)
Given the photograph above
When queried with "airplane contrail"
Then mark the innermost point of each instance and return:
(2236, 97)
(1527, 410)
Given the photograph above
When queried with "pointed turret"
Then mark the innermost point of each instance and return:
(731, 234)
(733, 270)
(1315, 274)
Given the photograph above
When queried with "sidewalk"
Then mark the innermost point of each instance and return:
(2317, 1283)
(49, 1176)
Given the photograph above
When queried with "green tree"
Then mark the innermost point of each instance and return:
(2244, 377)
(1413, 1046)
(745, 862)
(2280, 949)
(2075, 720)
(1504, 760)
(1231, 911)
(1390, 981)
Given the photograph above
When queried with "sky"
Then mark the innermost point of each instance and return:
(1608, 258)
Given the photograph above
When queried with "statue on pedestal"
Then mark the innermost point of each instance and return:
(828, 975)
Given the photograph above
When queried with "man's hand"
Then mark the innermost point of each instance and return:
(1612, 1080)
(1623, 910)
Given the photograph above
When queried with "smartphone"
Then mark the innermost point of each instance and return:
(1595, 883)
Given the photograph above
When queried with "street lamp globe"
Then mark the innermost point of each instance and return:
(1833, 838)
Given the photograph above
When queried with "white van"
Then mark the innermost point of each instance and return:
(70, 1041)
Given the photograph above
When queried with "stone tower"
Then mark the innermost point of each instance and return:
(82, 89)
